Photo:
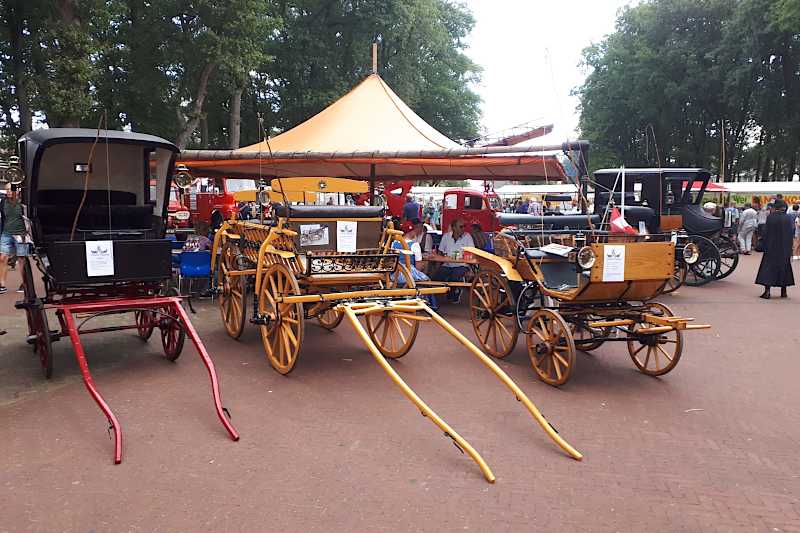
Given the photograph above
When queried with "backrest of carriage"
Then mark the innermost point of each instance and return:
(325, 241)
(625, 267)
(95, 219)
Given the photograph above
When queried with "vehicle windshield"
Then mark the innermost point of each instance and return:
(495, 203)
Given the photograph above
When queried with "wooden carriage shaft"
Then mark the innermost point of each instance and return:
(416, 400)
(352, 310)
(377, 293)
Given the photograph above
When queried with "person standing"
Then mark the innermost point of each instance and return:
(535, 208)
(776, 263)
(411, 209)
(13, 232)
(747, 225)
(523, 207)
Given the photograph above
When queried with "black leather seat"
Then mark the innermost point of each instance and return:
(329, 211)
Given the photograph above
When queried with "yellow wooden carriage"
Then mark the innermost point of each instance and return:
(593, 288)
(329, 262)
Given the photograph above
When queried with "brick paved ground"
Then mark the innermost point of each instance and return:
(335, 447)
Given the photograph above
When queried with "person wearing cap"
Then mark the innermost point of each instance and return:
(776, 263)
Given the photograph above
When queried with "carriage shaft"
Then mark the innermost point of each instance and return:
(378, 293)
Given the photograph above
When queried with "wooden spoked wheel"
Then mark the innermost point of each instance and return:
(655, 354)
(172, 333)
(43, 344)
(392, 333)
(233, 297)
(330, 318)
(283, 332)
(145, 323)
(677, 279)
(492, 311)
(582, 332)
(551, 347)
(728, 254)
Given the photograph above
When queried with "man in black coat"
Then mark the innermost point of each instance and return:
(776, 263)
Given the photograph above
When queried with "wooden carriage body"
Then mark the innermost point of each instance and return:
(598, 287)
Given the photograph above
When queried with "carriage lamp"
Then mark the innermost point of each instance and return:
(183, 178)
(586, 257)
(10, 171)
(691, 253)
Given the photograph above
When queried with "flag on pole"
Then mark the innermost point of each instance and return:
(619, 224)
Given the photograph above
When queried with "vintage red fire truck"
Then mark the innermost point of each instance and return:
(211, 199)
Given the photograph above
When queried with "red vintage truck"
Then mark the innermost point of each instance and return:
(211, 199)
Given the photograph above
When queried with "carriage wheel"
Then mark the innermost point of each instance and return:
(172, 333)
(582, 332)
(145, 323)
(492, 311)
(43, 344)
(233, 297)
(330, 318)
(657, 354)
(283, 333)
(393, 334)
(729, 256)
(30, 295)
(677, 279)
(551, 347)
(707, 267)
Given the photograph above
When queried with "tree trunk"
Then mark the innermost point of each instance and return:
(68, 10)
(194, 116)
(204, 132)
(235, 125)
(16, 29)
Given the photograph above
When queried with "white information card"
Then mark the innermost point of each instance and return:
(346, 235)
(613, 262)
(99, 258)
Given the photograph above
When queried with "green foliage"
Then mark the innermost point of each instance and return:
(674, 71)
(177, 68)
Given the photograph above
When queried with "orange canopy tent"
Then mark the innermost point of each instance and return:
(371, 133)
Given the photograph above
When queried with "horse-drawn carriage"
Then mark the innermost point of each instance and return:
(665, 199)
(589, 288)
(327, 262)
(99, 230)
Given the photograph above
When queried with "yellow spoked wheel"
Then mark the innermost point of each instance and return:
(492, 311)
(582, 332)
(233, 296)
(392, 332)
(551, 347)
(283, 332)
(330, 318)
(655, 354)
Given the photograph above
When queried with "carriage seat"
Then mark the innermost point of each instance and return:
(55, 211)
(560, 274)
(329, 211)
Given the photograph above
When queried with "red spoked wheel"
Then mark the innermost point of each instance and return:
(172, 332)
(43, 343)
(145, 323)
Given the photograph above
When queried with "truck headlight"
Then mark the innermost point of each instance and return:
(182, 215)
(691, 253)
(586, 257)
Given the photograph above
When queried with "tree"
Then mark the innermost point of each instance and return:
(676, 72)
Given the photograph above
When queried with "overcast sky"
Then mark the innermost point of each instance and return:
(530, 51)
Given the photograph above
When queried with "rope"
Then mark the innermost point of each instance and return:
(86, 181)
